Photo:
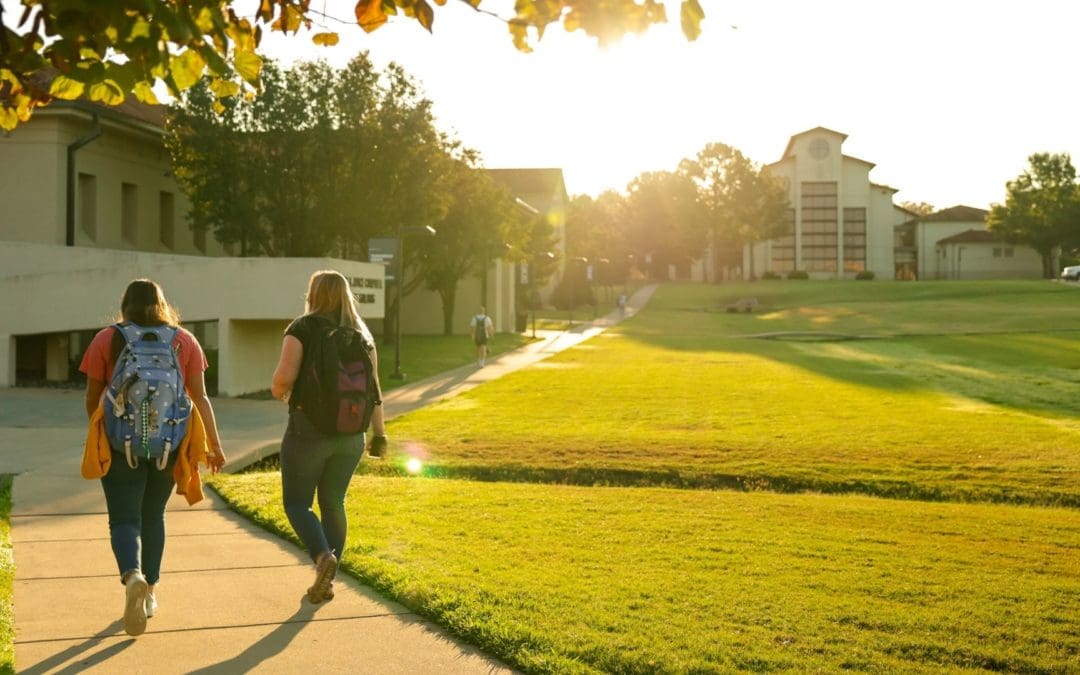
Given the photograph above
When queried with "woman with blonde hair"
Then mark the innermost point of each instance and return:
(313, 461)
(137, 490)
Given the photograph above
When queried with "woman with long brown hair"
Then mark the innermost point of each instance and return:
(136, 492)
(313, 461)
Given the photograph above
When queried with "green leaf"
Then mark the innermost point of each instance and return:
(106, 92)
(224, 88)
(145, 93)
(66, 88)
(248, 65)
(187, 68)
(691, 15)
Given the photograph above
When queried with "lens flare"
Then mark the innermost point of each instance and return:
(414, 465)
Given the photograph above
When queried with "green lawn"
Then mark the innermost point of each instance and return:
(7, 575)
(575, 579)
(962, 392)
(426, 355)
(930, 409)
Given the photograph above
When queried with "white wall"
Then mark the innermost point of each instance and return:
(973, 261)
(927, 235)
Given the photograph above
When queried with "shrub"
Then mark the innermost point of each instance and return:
(865, 275)
(798, 274)
(767, 276)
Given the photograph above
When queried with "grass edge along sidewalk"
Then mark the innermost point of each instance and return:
(7, 576)
(573, 579)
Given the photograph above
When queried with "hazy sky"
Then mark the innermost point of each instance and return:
(947, 97)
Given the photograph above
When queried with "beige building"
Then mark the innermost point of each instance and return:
(954, 243)
(841, 222)
(89, 204)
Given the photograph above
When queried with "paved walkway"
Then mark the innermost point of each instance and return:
(232, 594)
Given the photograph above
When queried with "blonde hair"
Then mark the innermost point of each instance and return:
(329, 295)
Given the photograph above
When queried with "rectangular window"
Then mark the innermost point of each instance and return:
(165, 219)
(854, 239)
(88, 204)
(997, 252)
(782, 257)
(129, 212)
(819, 226)
(1008, 253)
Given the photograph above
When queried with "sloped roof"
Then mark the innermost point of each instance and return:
(971, 237)
(791, 141)
(540, 188)
(130, 110)
(957, 214)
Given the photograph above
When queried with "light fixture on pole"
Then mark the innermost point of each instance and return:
(400, 280)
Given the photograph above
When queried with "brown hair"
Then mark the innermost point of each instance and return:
(329, 295)
(143, 304)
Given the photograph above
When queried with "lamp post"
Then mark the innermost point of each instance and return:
(533, 296)
(400, 274)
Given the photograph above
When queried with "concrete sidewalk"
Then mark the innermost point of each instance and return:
(231, 597)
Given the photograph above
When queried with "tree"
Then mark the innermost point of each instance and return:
(744, 203)
(1041, 209)
(918, 208)
(664, 222)
(480, 221)
(109, 49)
(318, 164)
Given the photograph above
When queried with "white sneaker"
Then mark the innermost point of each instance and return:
(151, 605)
(135, 590)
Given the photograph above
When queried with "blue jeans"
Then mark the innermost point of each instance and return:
(136, 500)
(315, 462)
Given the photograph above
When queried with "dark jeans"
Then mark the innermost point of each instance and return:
(314, 462)
(136, 500)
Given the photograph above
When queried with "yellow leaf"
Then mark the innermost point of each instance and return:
(425, 15)
(291, 18)
(248, 65)
(224, 88)
(106, 92)
(24, 106)
(139, 29)
(218, 108)
(325, 39)
(369, 14)
(8, 76)
(520, 33)
(89, 54)
(691, 15)
(187, 68)
(145, 93)
(66, 88)
(112, 34)
(8, 119)
(205, 20)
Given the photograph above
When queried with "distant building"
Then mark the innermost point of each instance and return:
(840, 222)
(954, 243)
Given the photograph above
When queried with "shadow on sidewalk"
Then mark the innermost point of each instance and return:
(272, 644)
(74, 652)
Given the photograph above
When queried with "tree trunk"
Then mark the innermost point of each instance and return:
(1047, 263)
(448, 296)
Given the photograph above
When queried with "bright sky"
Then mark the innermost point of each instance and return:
(947, 97)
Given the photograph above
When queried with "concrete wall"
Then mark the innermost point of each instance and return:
(422, 313)
(927, 235)
(252, 299)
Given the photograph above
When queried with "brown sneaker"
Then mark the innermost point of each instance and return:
(325, 570)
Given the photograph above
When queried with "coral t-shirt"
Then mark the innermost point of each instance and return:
(98, 362)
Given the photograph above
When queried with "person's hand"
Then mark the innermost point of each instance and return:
(215, 459)
(376, 447)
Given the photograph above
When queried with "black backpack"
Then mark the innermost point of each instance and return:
(338, 387)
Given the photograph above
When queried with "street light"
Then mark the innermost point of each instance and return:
(400, 274)
(534, 295)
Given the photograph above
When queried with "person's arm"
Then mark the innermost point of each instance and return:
(288, 368)
(489, 327)
(378, 425)
(196, 389)
(94, 388)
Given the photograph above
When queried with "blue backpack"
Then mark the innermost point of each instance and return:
(146, 406)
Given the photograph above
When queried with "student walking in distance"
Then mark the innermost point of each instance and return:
(143, 374)
(328, 373)
(481, 329)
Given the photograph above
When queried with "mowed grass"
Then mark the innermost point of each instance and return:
(970, 392)
(574, 579)
(7, 576)
(425, 355)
